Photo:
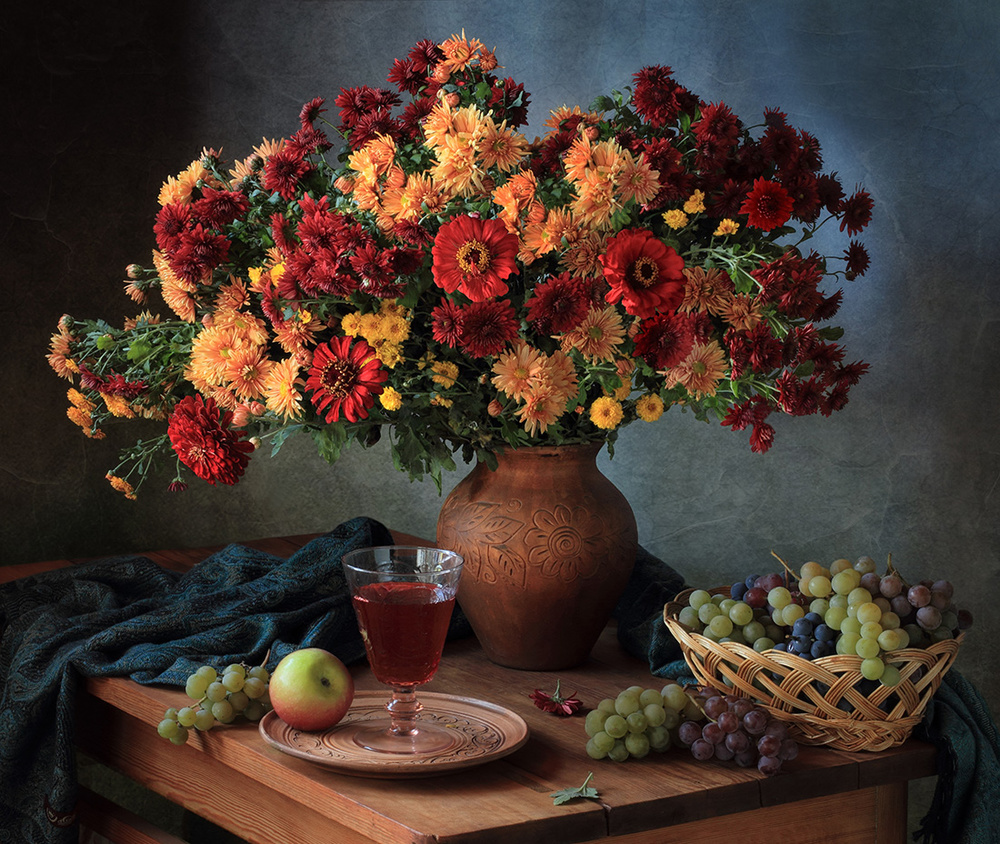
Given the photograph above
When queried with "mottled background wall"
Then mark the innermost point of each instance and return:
(100, 101)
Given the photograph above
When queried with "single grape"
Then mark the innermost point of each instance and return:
(637, 744)
(779, 597)
(259, 672)
(839, 565)
(871, 630)
(594, 752)
(791, 613)
(768, 745)
(168, 728)
(769, 765)
(626, 703)
(688, 732)
(753, 631)
(254, 711)
(216, 691)
(674, 697)
(867, 648)
(929, 617)
(254, 687)
(763, 644)
(755, 597)
(871, 581)
(649, 696)
(659, 739)
(195, 686)
(593, 723)
(702, 750)
(738, 741)
(223, 711)
(755, 722)
(607, 706)
(728, 721)
(872, 669)
(698, 598)
(845, 581)
(233, 680)
(655, 714)
(890, 676)
(919, 596)
(741, 613)
(723, 753)
(204, 720)
(890, 586)
(239, 701)
(636, 722)
(820, 586)
(688, 616)
(616, 726)
(619, 752)
(181, 737)
(207, 672)
(864, 564)
(715, 706)
(236, 668)
(186, 716)
(721, 625)
(868, 612)
(713, 733)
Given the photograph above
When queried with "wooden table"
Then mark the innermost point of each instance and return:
(232, 777)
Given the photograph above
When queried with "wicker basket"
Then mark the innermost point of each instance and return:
(823, 701)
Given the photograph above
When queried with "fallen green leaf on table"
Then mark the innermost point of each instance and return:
(564, 795)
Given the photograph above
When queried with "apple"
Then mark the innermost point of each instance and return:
(311, 689)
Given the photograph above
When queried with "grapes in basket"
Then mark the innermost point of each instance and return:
(844, 608)
(707, 723)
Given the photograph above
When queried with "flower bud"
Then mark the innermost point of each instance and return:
(133, 271)
(451, 99)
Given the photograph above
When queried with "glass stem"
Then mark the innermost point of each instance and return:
(403, 709)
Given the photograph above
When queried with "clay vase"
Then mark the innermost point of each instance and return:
(549, 543)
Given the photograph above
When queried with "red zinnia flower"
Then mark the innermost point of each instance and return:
(345, 377)
(558, 304)
(474, 256)
(487, 328)
(644, 273)
(768, 205)
(200, 434)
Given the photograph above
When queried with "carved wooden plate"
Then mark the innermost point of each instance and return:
(483, 732)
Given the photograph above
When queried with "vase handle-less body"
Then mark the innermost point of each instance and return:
(549, 544)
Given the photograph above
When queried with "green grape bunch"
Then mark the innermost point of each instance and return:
(238, 691)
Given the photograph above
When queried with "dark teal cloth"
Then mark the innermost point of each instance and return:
(127, 617)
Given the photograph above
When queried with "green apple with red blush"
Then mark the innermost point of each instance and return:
(311, 689)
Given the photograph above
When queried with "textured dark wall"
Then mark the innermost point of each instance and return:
(101, 101)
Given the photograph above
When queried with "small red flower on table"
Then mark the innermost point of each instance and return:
(555, 702)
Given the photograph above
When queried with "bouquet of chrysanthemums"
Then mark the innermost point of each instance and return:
(443, 279)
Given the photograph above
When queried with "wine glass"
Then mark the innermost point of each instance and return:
(403, 596)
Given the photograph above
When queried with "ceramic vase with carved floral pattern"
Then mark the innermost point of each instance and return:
(549, 544)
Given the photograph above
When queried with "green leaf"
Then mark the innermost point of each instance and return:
(566, 794)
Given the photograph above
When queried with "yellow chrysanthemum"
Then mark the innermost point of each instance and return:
(727, 226)
(606, 413)
(391, 399)
(695, 203)
(117, 406)
(79, 400)
(675, 218)
(389, 353)
(445, 373)
(649, 408)
(121, 485)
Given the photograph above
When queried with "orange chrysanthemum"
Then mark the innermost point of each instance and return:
(708, 290)
(701, 371)
(247, 371)
(281, 391)
(515, 370)
(597, 337)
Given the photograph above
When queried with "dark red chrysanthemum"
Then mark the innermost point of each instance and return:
(379, 271)
(373, 124)
(283, 171)
(857, 211)
(474, 256)
(665, 340)
(446, 323)
(406, 77)
(118, 385)
(414, 114)
(857, 259)
(218, 208)
(556, 703)
(644, 273)
(198, 253)
(752, 412)
(558, 304)
(282, 232)
(487, 327)
(780, 144)
(311, 110)
(768, 205)
(344, 379)
(805, 196)
(658, 98)
(831, 192)
(200, 435)
(425, 54)
(308, 141)
(509, 101)
(171, 221)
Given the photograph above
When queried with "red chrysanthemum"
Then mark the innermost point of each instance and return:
(200, 435)
(558, 304)
(474, 256)
(768, 205)
(171, 221)
(487, 328)
(198, 253)
(344, 379)
(658, 98)
(406, 77)
(311, 110)
(283, 171)
(218, 208)
(665, 340)
(446, 323)
(857, 259)
(643, 272)
(857, 211)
